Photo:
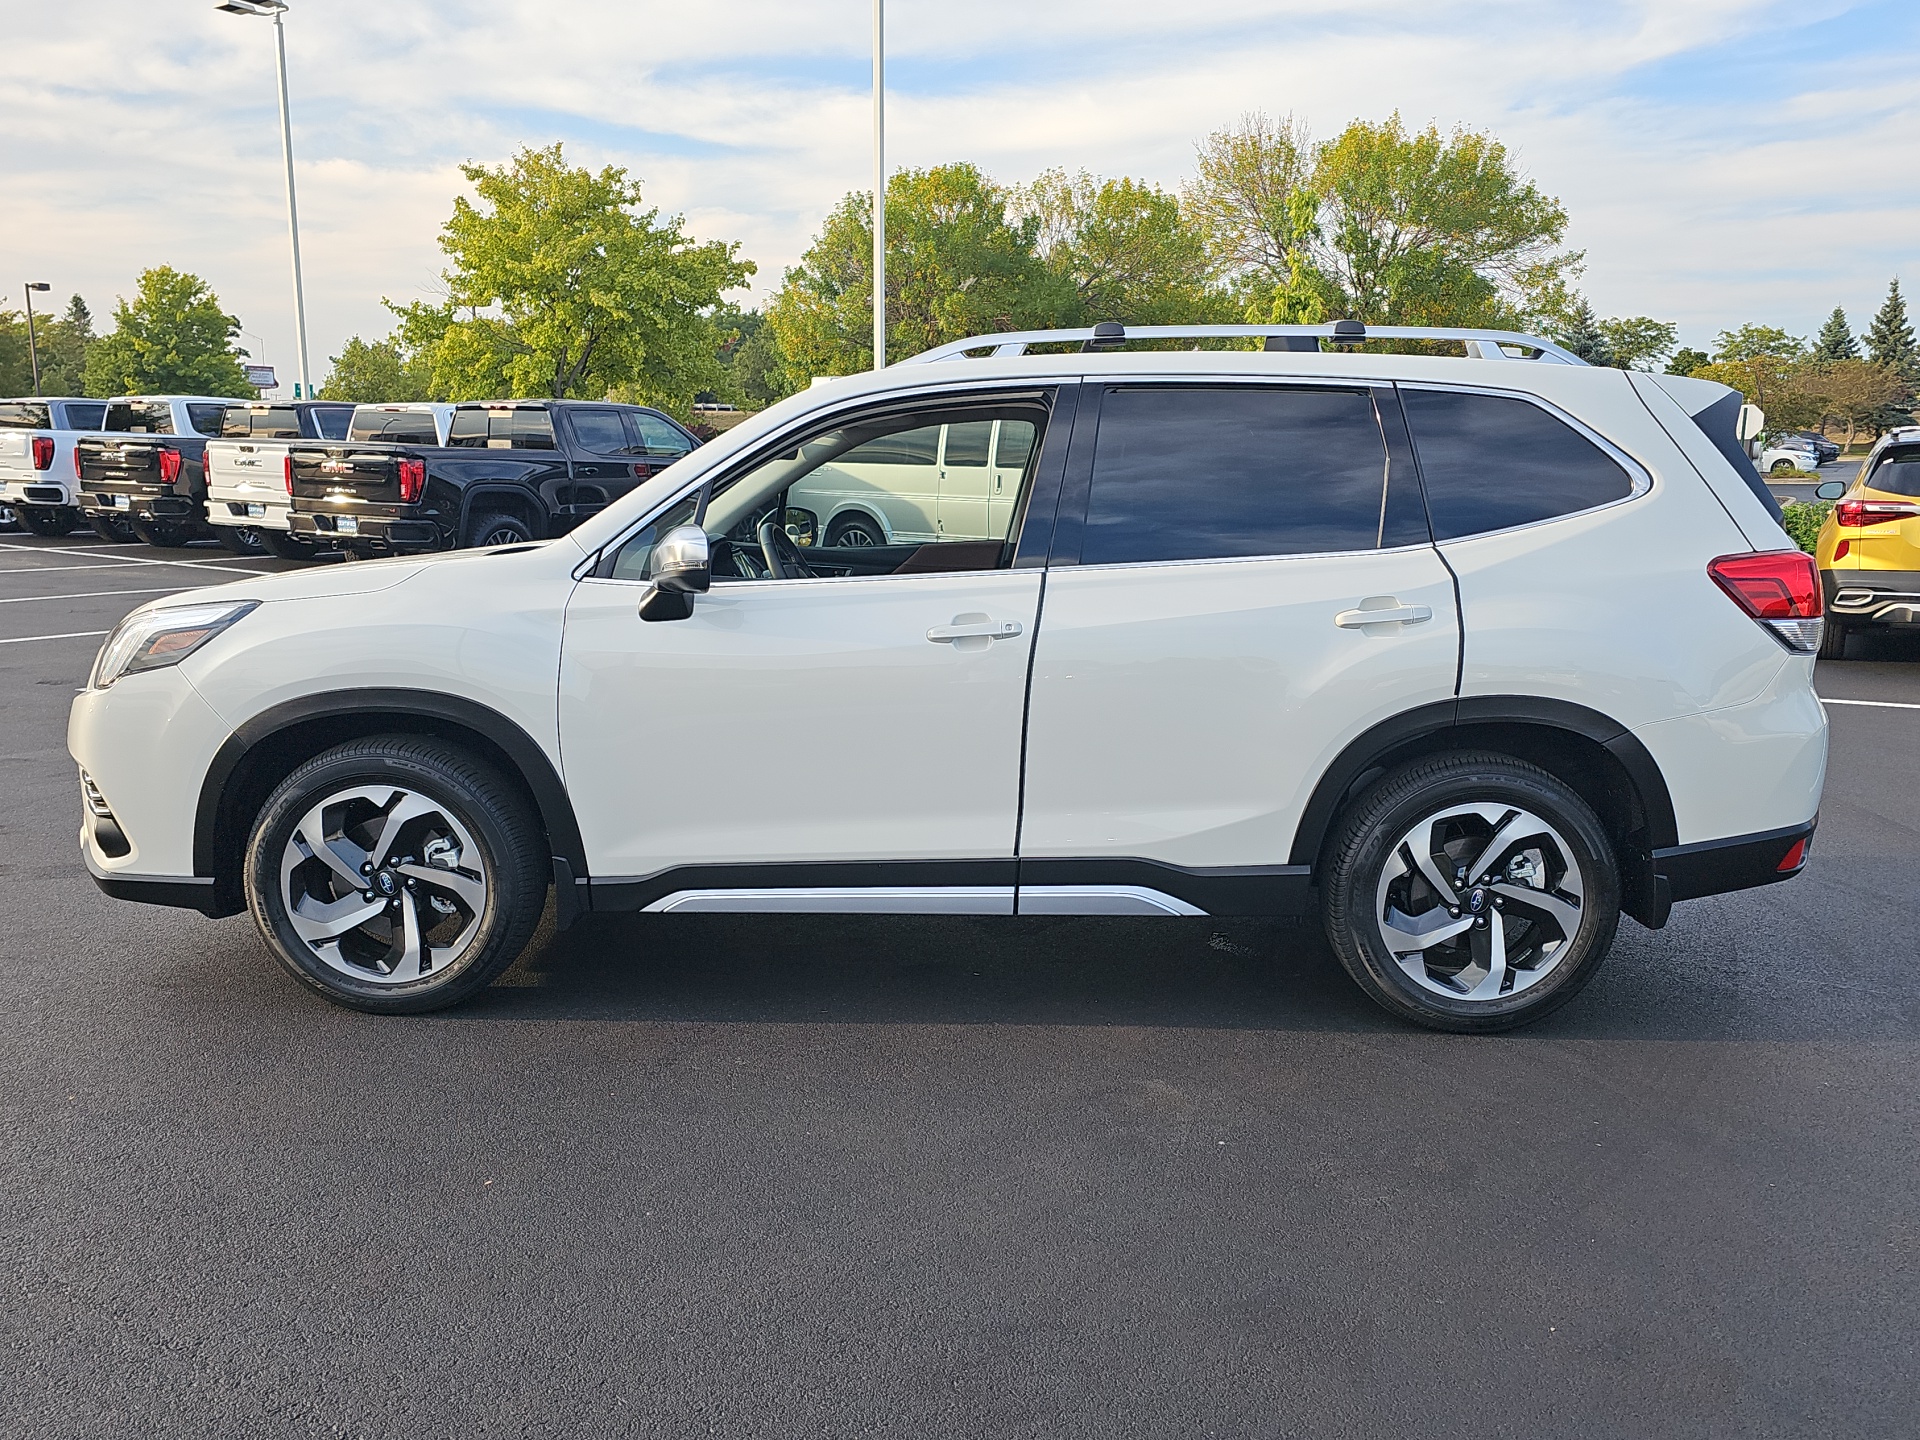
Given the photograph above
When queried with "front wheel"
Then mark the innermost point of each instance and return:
(1470, 892)
(48, 522)
(396, 874)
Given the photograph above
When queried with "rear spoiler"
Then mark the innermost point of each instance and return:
(1715, 408)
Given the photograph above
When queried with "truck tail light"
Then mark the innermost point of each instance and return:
(43, 452)
(286, 465)
(76, 464)
(169, 465)
(1780, 589)
(413, 479)
(1855, 514)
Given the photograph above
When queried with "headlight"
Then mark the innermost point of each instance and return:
(149, 639)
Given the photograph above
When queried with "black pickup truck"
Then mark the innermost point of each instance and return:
(511, 471)
(145, 478)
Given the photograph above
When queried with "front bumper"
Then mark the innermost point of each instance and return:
(395, 534)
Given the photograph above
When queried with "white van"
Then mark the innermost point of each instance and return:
(937, 483)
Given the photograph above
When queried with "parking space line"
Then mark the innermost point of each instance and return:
(120, 564)
(68, 635)
(1876, 704)
(96, 594)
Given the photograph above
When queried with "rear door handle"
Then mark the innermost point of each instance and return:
(984, 630)
(1390, 614)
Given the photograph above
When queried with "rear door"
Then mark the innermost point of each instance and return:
(1205, 649)
(601, 449)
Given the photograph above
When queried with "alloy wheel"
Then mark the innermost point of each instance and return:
(384, 884)
(1480, 902)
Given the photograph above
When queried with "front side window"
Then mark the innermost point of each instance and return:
(1204, 473)
(139, 417)
(1490, 462)
(868, 498)
(521, 427)
(657, 437)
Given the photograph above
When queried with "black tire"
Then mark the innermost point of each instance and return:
(514, 866)
(497, 528)
(49, 522)
(283, 546)
(855, 530)
(1833, 639)
(1369, 836)
(243, 540)
(162, 534)
(111, 529)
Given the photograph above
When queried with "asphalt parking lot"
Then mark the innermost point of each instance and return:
(709, 1175)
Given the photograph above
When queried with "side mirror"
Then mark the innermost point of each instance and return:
(801, 525)
(1830, 490)
(682, 568)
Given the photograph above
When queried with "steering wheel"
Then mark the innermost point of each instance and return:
(784, 560)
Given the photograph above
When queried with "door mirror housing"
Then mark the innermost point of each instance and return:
(682, 563)
(1830, 490)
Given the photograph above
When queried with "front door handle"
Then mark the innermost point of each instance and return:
(1382, 610)
(980, 630)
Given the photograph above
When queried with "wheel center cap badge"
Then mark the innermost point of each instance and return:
(1476, 899)
(387, 883)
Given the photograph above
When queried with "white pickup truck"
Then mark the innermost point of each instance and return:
(38, 481)
(246, 467)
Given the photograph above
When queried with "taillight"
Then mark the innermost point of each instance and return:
(1780, 589)
(286, 464)
(42, 452)
(76, 464)
(1856, 514)
(169, 465)
(413, 479)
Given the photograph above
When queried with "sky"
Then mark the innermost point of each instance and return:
(1722, 161)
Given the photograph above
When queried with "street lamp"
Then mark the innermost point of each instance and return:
(33, 348)
(277, 8)
(879, 187)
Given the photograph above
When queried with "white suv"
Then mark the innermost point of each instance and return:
(1464, 656)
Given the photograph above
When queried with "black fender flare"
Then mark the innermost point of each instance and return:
(522, 495)
(523, 752)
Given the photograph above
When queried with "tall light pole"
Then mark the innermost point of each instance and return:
(276, 9)
(879, 185)
(33, 346)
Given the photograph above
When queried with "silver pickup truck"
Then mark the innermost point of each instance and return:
(38, 480)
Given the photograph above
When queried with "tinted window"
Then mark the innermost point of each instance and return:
(330, 421)
(657, 437)
(599, 431)
(524, 427)
(395, 427)
(1898, 473)
(906, 447)
(25, 415)
(1186, 473)
(1016, 445)
(279, 422)
(139, 417)
(84, 417)
(967, 442)
(1490, 462)
(207, 419)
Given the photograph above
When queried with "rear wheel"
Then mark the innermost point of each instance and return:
(165, 534)
(489, 531)
(49, 521)
(396, 874)
(1833, 639)
(1470, 892)
(112, 529)
(285, 546)
(242, 539)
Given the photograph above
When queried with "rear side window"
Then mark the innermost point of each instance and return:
(1898, 473)
(1191, 473)
(1491, 462)
(207, 419)
(599, 431)
(139, 417)
(524, 427)
(25, 415)
(657, 437)
(80, 416)
(394, 427)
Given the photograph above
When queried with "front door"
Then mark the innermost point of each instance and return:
(1209, 651)
(847, 737)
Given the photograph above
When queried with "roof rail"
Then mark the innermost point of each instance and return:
(1480, 344)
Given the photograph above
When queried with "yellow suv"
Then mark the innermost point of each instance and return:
(1869, 549)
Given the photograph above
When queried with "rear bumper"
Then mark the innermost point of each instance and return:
(1739, 862)
(38, 491)
(395, 533)
(256, 514)
(142, 503)
(1872, 597)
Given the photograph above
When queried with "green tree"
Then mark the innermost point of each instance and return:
(1252, 202)
(558, 288)
(1125, 249)
(1416, 228)
(1835, 340)
(1859, 393)
(1688, 362)
(1890, 340)
(1582, 335)
(376, 373)
(957, 265)
(1753, 342)
(1637, 342)
(173, 339)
